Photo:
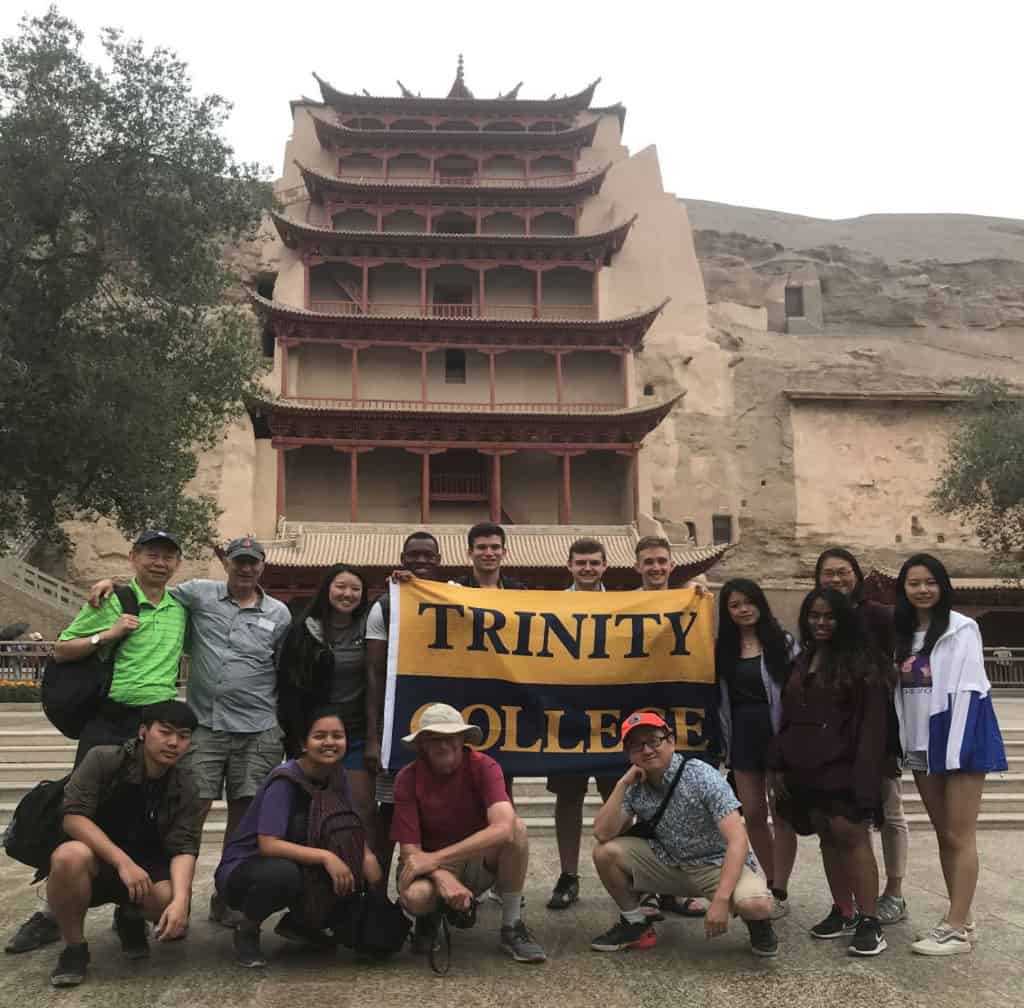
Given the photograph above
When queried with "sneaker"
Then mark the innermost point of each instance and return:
(71, 966)
(37, 931)
(517, 941)
(565, 893)
(943, 940)
(493, 895)
(763, 941)
(780, 908)
(867, 939)
(291, 928)
(835, 925)
(426, 934)
(247, 947)
(970, 927)
(624, 935)
(131, 929)
(891, 909)
(221, 913)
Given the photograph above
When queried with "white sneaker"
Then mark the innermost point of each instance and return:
(780, 908)
(943, 940)
(970, 927)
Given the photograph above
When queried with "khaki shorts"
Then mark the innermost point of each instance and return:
(575, 785)
(239, 760)
(474, 874)
(650, 874)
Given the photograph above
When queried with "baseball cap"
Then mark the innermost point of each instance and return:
(156, 535)
(640, 719)
(245, 547)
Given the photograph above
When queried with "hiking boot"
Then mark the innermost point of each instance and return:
(763, 941)
(130, 926)
(72, 964)
(247, 946)
(835, 925)
(37, 931)
(517, 941)
(943, 940)
(221, 913)
(891, 909)
(867, 939)
(565, 893)
(625, 935)
(426, 934)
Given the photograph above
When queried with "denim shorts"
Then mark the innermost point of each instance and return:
(916, 761)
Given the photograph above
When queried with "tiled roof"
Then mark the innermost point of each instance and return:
(320, 544)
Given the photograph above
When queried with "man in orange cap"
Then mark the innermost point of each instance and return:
(688, 840)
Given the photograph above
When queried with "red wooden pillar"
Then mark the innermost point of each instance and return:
(366, 287)
(380, 217)
(624, 370)
(423, 288)
(353, 481)
(493, 390)
(281, 498)
(634, 472)
(355, 374)
(423, 376)
(495, 485)
(430, 208)
(529, 221)
(483, 293)
(284, 367)
(559, 387)
(478, 216)
(565, 497)
(538, 294)
(425, 489)
(595, 295)
(307, 297)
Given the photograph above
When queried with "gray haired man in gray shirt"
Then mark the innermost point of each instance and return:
(235, 632)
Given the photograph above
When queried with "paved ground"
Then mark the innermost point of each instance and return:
(683, 968)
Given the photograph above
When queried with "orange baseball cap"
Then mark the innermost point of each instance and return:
(641, 718)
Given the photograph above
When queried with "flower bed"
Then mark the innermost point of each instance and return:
(18, 692)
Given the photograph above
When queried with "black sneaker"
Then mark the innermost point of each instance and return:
(247, 946)
(292, 928)
(71, 966)
(624, 935)
(763, 941)
(426, 934)
(565, 893)
(130, 926)
(868, 939)
(37, 931)
(835, 925)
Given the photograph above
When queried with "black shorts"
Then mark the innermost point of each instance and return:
(107, 887)
(751, 737)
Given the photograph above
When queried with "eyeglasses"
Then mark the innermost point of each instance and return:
(653, 744)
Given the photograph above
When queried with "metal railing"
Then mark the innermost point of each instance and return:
(584, 312)
(24, 661)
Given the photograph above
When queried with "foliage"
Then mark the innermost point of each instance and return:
(982, 481)
(19, 692)
(120, 352)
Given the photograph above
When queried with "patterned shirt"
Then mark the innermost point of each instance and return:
(688, 833)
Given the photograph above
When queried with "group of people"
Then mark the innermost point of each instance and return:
(285, 720)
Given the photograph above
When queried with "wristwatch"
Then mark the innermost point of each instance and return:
(94, 640)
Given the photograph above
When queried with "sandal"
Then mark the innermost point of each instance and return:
(686, 907)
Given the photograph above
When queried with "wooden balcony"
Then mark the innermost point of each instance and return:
(403, 405)
(457, 311)
(458, 487)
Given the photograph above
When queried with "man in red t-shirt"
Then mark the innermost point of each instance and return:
(457, 832)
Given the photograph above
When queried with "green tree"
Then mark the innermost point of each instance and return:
(982, 481)
(121, 352)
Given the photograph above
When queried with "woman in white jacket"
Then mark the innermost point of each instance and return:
(948, 731)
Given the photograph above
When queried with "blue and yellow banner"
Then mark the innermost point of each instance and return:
(548, 675)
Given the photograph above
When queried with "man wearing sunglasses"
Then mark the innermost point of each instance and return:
(689, 840)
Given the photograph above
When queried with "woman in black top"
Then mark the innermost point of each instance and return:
(324, 662)
(753, 658)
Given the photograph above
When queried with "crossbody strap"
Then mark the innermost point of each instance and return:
(656, 818)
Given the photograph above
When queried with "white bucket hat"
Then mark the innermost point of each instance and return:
(443, 719)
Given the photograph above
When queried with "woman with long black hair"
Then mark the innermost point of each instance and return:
(831, 749)
(323, 661)
(838, 568)
(753, 659)
(948, 731)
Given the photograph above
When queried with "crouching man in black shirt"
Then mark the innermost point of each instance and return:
(134, 821)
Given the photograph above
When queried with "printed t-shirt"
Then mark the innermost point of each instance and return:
(435, 811)
(916, 686)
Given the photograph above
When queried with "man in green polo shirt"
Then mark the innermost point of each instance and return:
(145, 670)
(148, 645)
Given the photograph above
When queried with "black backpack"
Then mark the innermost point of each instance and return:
(36, 829)
(73, 691)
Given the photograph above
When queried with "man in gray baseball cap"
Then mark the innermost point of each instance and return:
(235, 632)
(457, 832)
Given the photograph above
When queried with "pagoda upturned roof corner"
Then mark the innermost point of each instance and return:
(506, 103)
(400, 244)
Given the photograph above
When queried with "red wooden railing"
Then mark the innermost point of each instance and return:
(494, 311)
(320, 402)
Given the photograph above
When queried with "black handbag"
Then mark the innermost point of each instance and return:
(375, 926)
(72, 692)
(644, 828)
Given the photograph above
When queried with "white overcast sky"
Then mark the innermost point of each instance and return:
(827, 108)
